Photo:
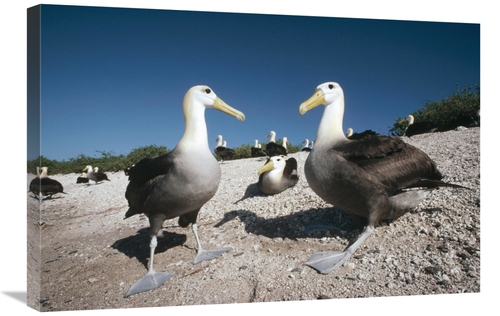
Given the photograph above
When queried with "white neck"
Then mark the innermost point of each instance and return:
(195, 131)
(273, 138)
(330, 129)
(219, 141)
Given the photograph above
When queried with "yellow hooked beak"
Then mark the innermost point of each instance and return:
(268, 166)
(224, 107)
(316, 99)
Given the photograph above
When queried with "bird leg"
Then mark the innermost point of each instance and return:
(152, 279)
(204, 255)
(328, 261)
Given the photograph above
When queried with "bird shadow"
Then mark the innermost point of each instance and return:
(303, 224)
(48, 198)
(312, 223)
(251, 191)
(137, 246)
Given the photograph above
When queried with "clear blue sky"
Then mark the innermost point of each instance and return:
(113, 79)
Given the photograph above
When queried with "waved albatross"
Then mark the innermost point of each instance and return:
(178, 183)
(415, 128)
(371, 179)
(256, 150)
(94, 175)
(277, 175)
(44, 185)
(222, 151)
(274, 149)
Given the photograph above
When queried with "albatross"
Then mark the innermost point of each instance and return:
(256, 150)
(274, 149)
(94, 175)
(372, 179)
(44, 185)
(415, 128)
(222, 151)
(277, 175)
(306, 145)
(178, 183)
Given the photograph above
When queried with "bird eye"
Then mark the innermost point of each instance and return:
(330, 86)
(208, 91)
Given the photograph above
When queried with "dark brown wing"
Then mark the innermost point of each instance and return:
(393, 162)
(51, 186)
(370, 147)
(291, 165)
(142, 179)
(274, 149)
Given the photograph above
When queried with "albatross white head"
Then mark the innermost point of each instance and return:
(219, 141)
(275, 164)
(272, 134)
(196, 100)
(330, 128)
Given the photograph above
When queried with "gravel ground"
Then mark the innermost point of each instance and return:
(90, 255)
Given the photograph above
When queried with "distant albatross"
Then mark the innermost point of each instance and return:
(256, 150)
(94, 175)
(274, 149)
(222, 151)
(277, 175)
(178, 183)
(415, 128)
(371, 179)
(306, 145)
(44, 185)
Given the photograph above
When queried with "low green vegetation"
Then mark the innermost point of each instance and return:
(107, 162)
(449, 112)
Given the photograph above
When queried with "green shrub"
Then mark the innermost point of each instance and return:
(448, 113)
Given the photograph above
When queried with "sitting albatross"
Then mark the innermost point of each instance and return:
(44, 185)
(222, 151)
(178, 183)
(94, 175)
(277, 175)
(415, 128)
(274, 149)
(82, 178)
(306, 145)
(256, 150)
(371, 179)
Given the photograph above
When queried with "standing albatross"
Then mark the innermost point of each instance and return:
(95, 175)
(178, 183)
(371, 179)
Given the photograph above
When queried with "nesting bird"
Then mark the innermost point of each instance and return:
(415, 128)
(82, 178)
(274, 149)
(371, 179)
(351, 135)
(277, 175)
(256, 150)
(95, 175)
(45, 186)
(178, 183)
(222, 151)
(306, 145)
